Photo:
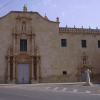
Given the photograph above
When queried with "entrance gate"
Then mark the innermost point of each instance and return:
(23, 73)
(84, 76)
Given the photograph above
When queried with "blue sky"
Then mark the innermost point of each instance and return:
(70, 12)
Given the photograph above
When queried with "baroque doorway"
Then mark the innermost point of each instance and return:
(81, 75)
(23, 69)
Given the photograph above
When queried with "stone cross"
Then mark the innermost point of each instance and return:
(88, 72)
(88, 83)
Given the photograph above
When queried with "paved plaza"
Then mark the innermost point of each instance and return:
(56, 91)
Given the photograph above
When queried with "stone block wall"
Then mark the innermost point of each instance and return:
(54, 58)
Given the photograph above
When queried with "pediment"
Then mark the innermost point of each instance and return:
(29, 18)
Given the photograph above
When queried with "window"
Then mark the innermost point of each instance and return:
(23, 45)
(83, 43)
(64, 72)
(63, 42)
(98, 44)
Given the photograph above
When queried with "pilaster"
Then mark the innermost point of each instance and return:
(32, 71)
(13, 44)
(32, 45)
(8, 69)
(40, 78)
(37, 68)
(14, 69)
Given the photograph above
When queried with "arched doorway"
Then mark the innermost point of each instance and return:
(83, 74)
(23, 68)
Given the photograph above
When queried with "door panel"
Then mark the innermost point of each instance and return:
(23, 73)
(20, 74)
(84, 76)
(20, 79)
(26, 68)
(26, 79)
(26, 73)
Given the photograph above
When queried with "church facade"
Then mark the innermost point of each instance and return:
(34, 49)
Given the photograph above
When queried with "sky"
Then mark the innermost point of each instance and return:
(70, 12)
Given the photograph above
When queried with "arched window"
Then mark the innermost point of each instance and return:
(23, 26)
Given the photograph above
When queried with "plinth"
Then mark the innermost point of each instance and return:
(88, 83)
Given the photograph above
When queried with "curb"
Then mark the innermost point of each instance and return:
(44, 84)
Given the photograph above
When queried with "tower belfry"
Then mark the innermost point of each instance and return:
(24, 8)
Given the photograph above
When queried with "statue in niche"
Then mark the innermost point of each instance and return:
(24, 26)
(84, 61)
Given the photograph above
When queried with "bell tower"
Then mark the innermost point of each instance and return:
(24, 8)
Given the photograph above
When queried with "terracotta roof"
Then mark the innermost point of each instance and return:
(46, 17)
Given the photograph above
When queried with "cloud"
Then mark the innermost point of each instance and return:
(70, 11)
(53, 6)
(35, 7)
(73, 8)
(49, 2)
(63, 13)
(70, 6)
(84, 7)
(92, 26)
(77, 6)
(39, 4)
(46, 2)
(73, 18)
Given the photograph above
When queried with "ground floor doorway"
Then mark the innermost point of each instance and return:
(84, 76)
(23, 73)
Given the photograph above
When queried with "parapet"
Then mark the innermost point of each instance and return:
(79, 30)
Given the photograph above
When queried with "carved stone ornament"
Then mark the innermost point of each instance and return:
(23, 26)
(23, 58)
(23, 36)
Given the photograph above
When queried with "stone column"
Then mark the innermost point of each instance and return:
(40, 80)
(32, 80)
(8, 68)
(14, 44)
(14, 69)
(37, 69)
(32, 46)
